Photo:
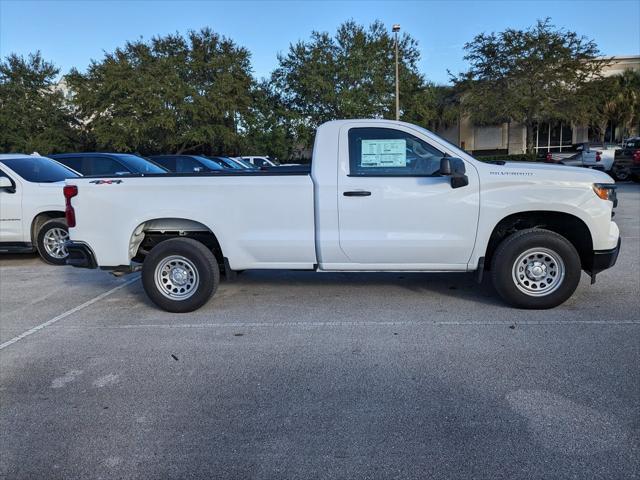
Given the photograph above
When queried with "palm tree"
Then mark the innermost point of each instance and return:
(627, 101)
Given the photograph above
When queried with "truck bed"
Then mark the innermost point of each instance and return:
(251, 213)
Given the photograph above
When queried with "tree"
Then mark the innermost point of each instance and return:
(627, 101)
(614, 99)
(33, 113)
(527, 76)
(269, 128)
(172, 94)
(350, 75)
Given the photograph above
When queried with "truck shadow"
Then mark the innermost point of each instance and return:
(462, 286)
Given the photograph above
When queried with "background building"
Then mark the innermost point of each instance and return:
(511, 138)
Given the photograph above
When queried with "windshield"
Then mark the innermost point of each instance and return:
(230, 162)
(239, 161)
(461, 153)
(210, 164)
(39, 169)
(140, 165)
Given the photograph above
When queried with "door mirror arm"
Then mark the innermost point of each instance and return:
(445, 167)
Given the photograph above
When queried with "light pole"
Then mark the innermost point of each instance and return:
(396, 29)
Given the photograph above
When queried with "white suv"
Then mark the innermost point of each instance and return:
(32, 206)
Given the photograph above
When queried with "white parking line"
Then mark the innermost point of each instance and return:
(364, 324)
(37, 328)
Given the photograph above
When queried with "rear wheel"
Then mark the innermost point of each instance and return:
(536, 269)
(620, 174)
(180, 275)
(51, 240)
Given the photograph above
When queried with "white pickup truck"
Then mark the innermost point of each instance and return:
(381, 196)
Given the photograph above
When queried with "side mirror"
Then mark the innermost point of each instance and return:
(445, 167)
(7, 185)
(454, 168)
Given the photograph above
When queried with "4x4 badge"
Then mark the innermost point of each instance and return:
(108, 182)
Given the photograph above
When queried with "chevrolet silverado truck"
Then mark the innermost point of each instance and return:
(380, 196)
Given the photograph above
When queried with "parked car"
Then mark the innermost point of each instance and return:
(260, 161)
(627, 161)
(187, 163)
(91, 164)
(32, 206)
(584, 155)
(382, 195)
(239, 162)
(232, 163)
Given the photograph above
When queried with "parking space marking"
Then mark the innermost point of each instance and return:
(364, 324)
(37, 328)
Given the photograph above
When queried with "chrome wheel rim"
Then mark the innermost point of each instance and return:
(538, 272)
(54, 243)
(177, 277)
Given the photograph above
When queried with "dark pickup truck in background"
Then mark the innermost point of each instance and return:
(627, 161)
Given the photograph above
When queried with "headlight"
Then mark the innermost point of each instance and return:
(606, 191)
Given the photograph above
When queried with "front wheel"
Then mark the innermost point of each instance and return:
(180, 275)
(536, 269)
(51, 241)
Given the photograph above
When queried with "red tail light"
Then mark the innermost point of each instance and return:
(548, 158)
(598, 156)
(636, 156)
(70, 191)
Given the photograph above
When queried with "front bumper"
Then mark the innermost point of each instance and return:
(80, 255)
(603, 259)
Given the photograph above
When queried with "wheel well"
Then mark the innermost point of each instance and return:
(565, 224)
(40, 219)
(152, 232)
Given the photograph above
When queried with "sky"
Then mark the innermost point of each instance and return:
(72, 33)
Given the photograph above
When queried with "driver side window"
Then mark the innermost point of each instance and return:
(385, 152)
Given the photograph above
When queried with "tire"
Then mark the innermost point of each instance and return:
(50, 241)
(620, 174)
(536, 269)
(180, 275)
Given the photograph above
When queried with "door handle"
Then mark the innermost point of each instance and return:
(357, 193)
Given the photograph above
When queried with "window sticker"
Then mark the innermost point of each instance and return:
(384, 153)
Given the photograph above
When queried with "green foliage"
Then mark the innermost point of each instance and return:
(446, 106)
(195, 92)
(611, 99)
(351, 75)
(33, 114)
(172, 94)
(269, 128)
(527, 76)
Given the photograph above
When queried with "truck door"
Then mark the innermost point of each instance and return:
(11, 212)
(395, 210)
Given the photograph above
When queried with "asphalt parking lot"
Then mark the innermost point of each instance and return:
(303, 375)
